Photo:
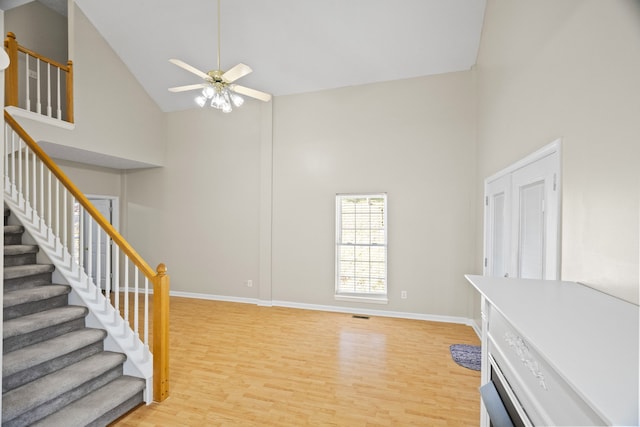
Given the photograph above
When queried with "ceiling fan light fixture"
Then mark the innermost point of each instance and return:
(218, 89)
(201, 101)
(208, 92)
(236, 99)
(217, 100)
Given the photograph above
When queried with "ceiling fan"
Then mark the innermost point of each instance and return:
(218, 88)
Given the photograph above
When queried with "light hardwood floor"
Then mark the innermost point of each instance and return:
(244, 365)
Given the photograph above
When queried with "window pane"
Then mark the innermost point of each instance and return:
(347, 253)
(348, 236)
(361, 249)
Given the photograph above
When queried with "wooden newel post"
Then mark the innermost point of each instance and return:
(70, 91)
(11, 73)
(161, 334)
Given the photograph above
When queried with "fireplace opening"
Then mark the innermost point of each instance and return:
(500, 402)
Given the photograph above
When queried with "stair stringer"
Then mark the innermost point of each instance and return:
(120, 337)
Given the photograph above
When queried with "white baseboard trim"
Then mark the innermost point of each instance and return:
(214, 297)
(331, 308)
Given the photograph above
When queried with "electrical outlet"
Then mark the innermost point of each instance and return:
(249, 283)
(33, 74)
(403, 294)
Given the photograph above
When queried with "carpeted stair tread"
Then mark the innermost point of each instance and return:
(13, 229)
(41, 320)
(27, 270)
(42, 352)
(38, 293)
(53, 386)
(88, 409)
(20, 249)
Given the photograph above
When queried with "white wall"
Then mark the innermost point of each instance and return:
(40, 29)
(569, 69)
(200, 213)
(413, 139)
(93, 179)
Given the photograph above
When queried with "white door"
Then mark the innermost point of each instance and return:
(497, 225)
(96, 243)
(522, 211)
(534, 207)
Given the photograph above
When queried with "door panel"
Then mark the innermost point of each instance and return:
(531, 231)
(497, 226)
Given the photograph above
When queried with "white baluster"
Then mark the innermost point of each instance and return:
(19, 166)
(107, 271)
(65, 220)
(34, 168)
(6, 159)
(59, 115)
(80, 237)
(89, 249)
(48, 89)
(57, 228)
(13, 163)
(146, 310)
(116, 276)
(98, 279)
(27, 79)
(42, 222)
(136, 310)
(48, 220)
(126, 290)
(38, 100)
(135, 300)
(26, 177)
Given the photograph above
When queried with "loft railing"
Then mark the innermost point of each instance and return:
(42, 85)
(113, 282)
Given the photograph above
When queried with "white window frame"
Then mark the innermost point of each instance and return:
(378, 298)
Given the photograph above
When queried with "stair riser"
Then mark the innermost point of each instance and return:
(26, 281)
(12, 238)
(34, 307)
(20, 341)
(64, 399)
(19, 378)
(24, 259)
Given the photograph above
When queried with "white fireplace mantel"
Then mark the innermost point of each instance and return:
(582, 343)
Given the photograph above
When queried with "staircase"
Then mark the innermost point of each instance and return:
(55, 370)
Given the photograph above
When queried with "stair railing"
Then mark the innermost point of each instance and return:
(48, 81)
(115, 281)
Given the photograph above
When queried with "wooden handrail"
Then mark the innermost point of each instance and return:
(81, 198)
(160, 280)
(11, 74)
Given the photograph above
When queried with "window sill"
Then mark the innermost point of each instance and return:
(364, 299)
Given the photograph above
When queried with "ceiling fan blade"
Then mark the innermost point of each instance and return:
(236, 72)
(187, 87)
(262, 96)
(189, 68)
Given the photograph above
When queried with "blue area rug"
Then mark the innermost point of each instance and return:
(466, 355)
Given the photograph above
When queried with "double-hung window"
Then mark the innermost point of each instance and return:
(361, 247)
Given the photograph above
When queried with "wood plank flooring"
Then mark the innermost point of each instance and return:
(244, 365)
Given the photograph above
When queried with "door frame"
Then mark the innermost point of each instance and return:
(115, 208)
(555, 147)
(115, 222)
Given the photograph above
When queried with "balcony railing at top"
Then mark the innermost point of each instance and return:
(53, 80)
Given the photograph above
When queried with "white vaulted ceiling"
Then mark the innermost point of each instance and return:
(293, 46)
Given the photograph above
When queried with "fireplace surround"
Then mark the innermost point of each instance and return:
(556, 353)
